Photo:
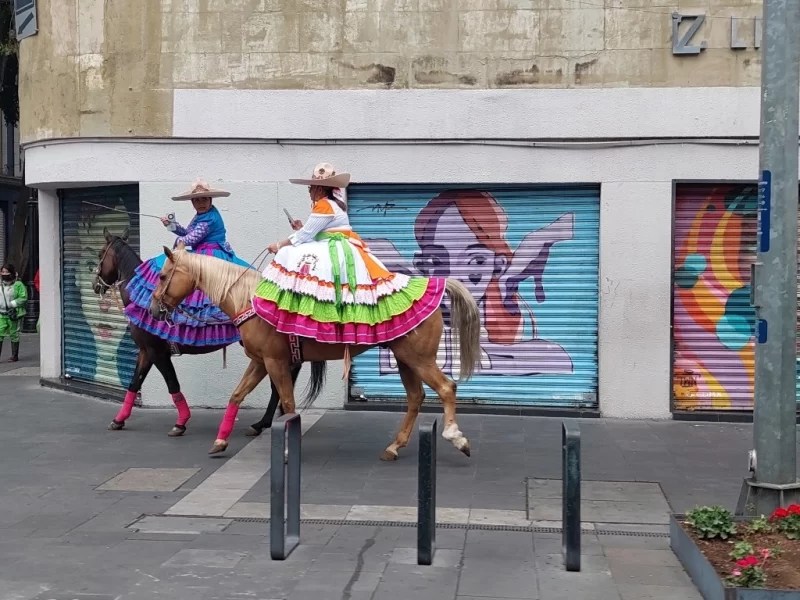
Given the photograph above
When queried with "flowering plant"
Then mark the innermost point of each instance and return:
(787, 521)
(749, 571)
(710, 522)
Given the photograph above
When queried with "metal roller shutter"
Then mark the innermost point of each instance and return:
(96, 338)
(539, 345)
(713, 322)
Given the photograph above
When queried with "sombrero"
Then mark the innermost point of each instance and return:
(325, 175)
(200, 189)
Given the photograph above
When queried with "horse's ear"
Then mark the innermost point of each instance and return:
(168, 253)
(107, 234)
(125, 234)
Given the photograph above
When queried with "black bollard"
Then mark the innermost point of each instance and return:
(426, 495)
(284, 487)
(571, 495)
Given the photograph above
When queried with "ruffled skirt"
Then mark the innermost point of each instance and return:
(189, 328)
(307, 292)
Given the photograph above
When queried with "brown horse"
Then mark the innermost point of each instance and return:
(231, 288)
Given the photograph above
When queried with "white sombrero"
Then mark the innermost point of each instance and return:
(200, 189)
(325, 175)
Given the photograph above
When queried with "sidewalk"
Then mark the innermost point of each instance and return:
(134, 514)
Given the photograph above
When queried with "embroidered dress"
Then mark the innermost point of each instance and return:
(205, 234)
(307, 288)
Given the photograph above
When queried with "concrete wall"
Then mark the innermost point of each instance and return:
(100, 68)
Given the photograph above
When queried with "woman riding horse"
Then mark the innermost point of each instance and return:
(199, 323)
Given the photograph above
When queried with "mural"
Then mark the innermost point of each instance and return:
(95, 329)
(714, 324)
(530, 262)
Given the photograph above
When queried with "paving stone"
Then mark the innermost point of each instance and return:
(590, 563)
(651, 575)
(498, 579)
(138, 479)
(441, 558)
(186, 525)
(563, 585)
(642, 556)
(218, 559)
(331, 581)
(417, 583)
(656, 592)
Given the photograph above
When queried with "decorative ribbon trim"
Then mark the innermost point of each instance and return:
(294, 349)
(350, 263)
(244, 317)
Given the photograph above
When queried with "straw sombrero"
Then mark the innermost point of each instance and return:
(200, 189)
(325, 175)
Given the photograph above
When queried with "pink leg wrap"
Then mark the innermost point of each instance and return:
(127, 406)
(184, 414)
(226, 427)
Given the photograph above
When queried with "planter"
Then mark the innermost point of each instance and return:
(705, 576)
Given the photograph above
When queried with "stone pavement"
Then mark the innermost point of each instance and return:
(28, 363)
(91, 514)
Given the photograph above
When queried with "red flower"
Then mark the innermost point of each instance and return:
(794, 509)
(781, 513)
(750, 561)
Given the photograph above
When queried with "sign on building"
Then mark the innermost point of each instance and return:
(689, 38)
(25, 18)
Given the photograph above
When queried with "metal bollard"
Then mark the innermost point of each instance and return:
(571, 495)
(284, 487)
(426, 495)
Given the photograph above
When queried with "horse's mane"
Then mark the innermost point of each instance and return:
(127, 259)
(218, 277)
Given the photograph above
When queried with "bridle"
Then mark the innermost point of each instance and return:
(109, 287)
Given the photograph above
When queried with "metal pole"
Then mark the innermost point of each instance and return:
(774, 294)
(32, 306)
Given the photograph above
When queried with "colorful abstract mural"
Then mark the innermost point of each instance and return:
(713, 321)
(530, 258)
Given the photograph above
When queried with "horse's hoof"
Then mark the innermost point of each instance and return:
(253, 431)
(114, 426)
(386, 455)
(219, 446)
(177, 431)
(465, 450)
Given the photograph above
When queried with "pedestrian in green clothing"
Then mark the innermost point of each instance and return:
(13, 296)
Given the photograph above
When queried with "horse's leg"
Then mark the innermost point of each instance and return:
(143, 365)
(163, 362)
(415, 395)
(445, 388)
(253, 375)
(266, 421)
(279, 374)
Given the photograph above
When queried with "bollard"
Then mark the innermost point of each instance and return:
(426, 495)
(571, 495)
(284, 487)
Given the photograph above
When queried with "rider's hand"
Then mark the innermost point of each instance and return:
(297, 224)
(273, 248)
(165, 221)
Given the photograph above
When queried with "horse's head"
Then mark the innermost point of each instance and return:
(175, 283)
(107, 272)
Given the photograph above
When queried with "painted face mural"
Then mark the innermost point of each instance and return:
(104, 327)
(714, 323)
(466, 234)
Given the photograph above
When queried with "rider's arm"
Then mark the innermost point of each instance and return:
(192, 237)
(319, 220)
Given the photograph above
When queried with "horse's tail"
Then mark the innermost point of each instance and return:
(466, 325)
(315, 383)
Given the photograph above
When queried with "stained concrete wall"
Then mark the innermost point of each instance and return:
(99, 68)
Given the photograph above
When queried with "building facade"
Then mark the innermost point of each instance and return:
(587, 169)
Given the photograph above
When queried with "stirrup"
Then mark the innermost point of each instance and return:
(175, 349)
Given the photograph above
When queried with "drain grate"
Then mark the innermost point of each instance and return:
(467, 526)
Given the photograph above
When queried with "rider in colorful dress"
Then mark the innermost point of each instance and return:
(307, 291)
(198, 322)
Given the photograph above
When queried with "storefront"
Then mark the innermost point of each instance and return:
(528, 254)
(96, 340)
(713, 321)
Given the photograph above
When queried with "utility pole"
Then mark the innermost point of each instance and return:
(774, 285)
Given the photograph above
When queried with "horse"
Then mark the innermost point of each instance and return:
(117, 263)
(231, 288)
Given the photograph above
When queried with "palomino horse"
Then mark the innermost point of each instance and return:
(117, 263)
(231, 288)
